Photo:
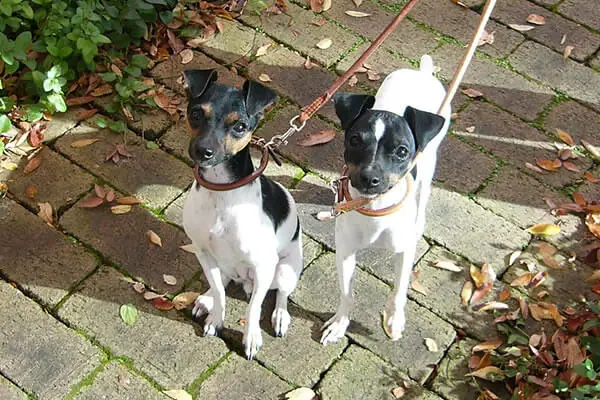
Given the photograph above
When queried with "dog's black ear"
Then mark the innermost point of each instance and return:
(198, 80)
(258, 97)
(424, 125)
(349, 106)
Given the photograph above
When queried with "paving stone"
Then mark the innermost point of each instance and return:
(318, 293)
(506, 88)
(150, 125)
(361, 375)
(450, 170)
(8, 391)
(550, 34)
(541, 63)
(252, 382)
(122, 240)
(450, 381)
(512, 140)
(595, 62)
(547, 2)
(381, 61)
(582, 11)
(153, 176)
(116, 382)
(565, 286)
(57, 181)
(407, 39)
(39, 258)
(443, 293)
(460, 23)
(235, 42)
(170, 71)
(295, 28)
(457, 223)
(161, 344)
(579, 121)
(291, 79)
(38, 353)
(60, 124)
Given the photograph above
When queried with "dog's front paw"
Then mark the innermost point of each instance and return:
(213, 324)
(393, 322)
(203, 305)
(335, 329)
(252, 340)
(281, 321)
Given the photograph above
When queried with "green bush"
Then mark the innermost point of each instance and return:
(44, 44)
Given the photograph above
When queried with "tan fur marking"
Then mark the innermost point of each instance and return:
(207, 109)
(191, 131)
(232, 118)
(233, 145)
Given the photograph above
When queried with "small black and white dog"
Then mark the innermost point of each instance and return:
(250, 234)
(382, 137)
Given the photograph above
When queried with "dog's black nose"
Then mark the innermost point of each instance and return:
(205, 153)
(369, 179)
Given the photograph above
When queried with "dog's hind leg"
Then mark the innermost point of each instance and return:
(393, 317)
(286, 278)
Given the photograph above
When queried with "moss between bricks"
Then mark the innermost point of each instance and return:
(194, 387)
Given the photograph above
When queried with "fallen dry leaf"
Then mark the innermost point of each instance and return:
(447, 265)
(83, 142)
(521, 28)
(324, 44)
(491, 305)
(590, 178)
(565, 137)
(514, 256)
(357, 14)
(116, 70)
(151, 296)
(139, 287)
(484, 372)
(546, 249)
(418, 287)
(357, 3)
(592, 149)
(262, 50)
(570, 166)
(477, 276)
(398, 392)
(90, 202)
(128, 200)
(504, 294)
(163, 304)
(488, 345)
(431, 345)
(481, 293)
(190, 248)
(593, 223)
(579, 199)
(154, 238)
(186, 56)
(352, 81)
(537, 279)
(489, 275)
(324, 216)
(568, 50)
(466, 292)
(162, 100)
(182, 300)
(77, 101)
(373, 75)
(46, 212)
(460, 3)
(178, 394)
(170, 280)
(321, 137)
(110, 195)
(470, 129)
(472, 93)
(31, 191)
(264, 78)
(548, 165)
(522, 280)
(32, 164)
(326, 4)
(536, 19)
(120, 209)
(302, 393)
(565, 154)
(85, 114)
(487, 38)
(320, 21)
(544, 229)
(523, 307)
(534, 168)
(102, 90)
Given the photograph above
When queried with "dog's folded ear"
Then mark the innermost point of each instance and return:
(349, 106)
(258, 97)
(198, 80)
(424, 125)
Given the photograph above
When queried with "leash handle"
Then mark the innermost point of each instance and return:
(464, 64)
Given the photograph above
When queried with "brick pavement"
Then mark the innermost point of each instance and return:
(61, 286)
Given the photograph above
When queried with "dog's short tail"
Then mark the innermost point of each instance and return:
(426, 64)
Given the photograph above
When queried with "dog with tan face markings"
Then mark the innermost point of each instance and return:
(248, 234)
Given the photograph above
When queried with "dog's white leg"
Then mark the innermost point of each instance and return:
(394, 319)
(214, 319)
(286, 278)
(336, 327)
(263, 274)
(204, 303)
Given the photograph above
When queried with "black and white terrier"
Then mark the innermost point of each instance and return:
(250, 234)
(383, 135)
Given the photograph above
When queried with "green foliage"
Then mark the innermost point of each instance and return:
(44, 44)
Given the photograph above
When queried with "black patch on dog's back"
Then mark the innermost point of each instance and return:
(297, 233)
(274, 201)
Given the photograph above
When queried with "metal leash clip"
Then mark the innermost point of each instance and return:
(278, 140)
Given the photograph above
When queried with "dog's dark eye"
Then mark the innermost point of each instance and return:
(240, 127)
(402, 152)
(196, 114)
(355, 141)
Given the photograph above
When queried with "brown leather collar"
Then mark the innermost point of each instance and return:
(347, 203)
(222, 187)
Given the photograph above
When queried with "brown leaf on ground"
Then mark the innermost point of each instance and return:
(264, 78)
(320, 21)
(480, 293)
(491, 305)
(31, 191)
(523, 307)
(321, 137)
(590, 178)
(534, 168)
(32, 164)
(522, 280)
(536, 19)
(487, 38)
(484, 372)
(120, 209)
(262, 50)
(77, 101)
(579, 199)
(521, 28)
(565, 137)
(593, 223)
(139, 287)
(575, 354)
(548, 165)
(504, 294)
(99, 190)
(373, 75)
(472, 93)
(418, 287)
(570, 166)
(90, 202)
(116, 70)
(160, 303)
(591, 149)
(357, 14)
(186, 55)
(324, 44)
(537, 279)
(161, 100)
(565, 154)
(568, 50)
(398, 392)
(544, 229)
(316, 5)
(431, 345)
(514, 256)
(466, 292)
(110, 195)
(460, 3)
(85, 114)
(46, 213)
(476, 275)
(128, 200)
(488, 345)
(151, 295)
(154, 238)
(169, 280)
(102, 90)
(175, 43)
(185, 299)
(447, 265)
(83, 142)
